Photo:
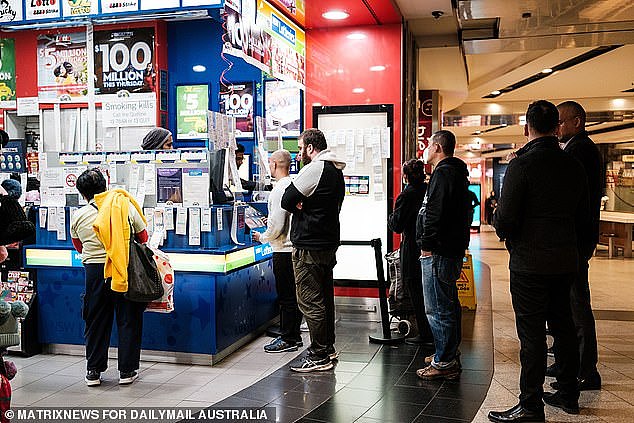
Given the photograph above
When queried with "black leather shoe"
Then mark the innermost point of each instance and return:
(517, 414)
(552, 370)
(557, 400)
(592, 383)
(417, 340)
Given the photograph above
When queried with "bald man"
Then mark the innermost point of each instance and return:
(277, 231)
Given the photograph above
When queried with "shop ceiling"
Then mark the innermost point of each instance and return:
(477, 47)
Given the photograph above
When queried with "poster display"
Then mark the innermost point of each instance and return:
(169, 185)
(295, 8)
(238, 102)
(120, 6)
(74, 8)
(42, 9)
(7, 69)
(282, 106)
(271, 42)
(11, 11)
(62, 72)
(192, 103)
(124, 62)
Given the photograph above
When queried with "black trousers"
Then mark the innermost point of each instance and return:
(100, 304)
(290, 316)
(536, 299)
(315, 295)
(414, 288)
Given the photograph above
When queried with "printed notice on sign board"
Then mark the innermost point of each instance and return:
(119, 6)
(42, 9)
(124, 62)
(237, 101)
(11, 11)
(128, 112)
(72, 8)
(62, 66)
(28, 106)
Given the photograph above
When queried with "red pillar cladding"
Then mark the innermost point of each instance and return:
(356, 66)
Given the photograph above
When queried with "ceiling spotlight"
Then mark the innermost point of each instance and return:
(496, 92)
(358, 90)
(356, 36)
(378, 68)
(477, 132)
(547, 70)
(199, 68)
(618, 102)
(335, 15)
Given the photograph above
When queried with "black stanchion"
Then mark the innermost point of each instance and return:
(386, 336)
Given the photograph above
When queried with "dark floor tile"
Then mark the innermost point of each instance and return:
(262, 393)
(355, 357)
(362, 397)
(463, 391)
(477, 363)
(335, 412)
(364, 419)
(374, 369)
(284, 382)
(316, 387)
(360, 347)
(391, 358)
(476, 377)
(349, 366)
(303, 400)
(435, 419)
(411, 394)
(376, 383)
(394, 411)
(288, 414)
(237, 401)
(452, 408)
(306, 420)
(410, 379)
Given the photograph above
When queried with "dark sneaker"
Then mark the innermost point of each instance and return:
(557, 400)
(432, 373)
(93, 378)
(312, 364)
(126, 378)
(278, 345)
(332, 353)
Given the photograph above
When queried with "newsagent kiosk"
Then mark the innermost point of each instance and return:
(93, 79)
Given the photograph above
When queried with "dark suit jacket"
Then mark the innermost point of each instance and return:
(403, 221)
(583, 149)
(543, 210)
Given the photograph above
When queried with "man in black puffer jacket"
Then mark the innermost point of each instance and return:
(442, 234)
(314, 198)
(541, 213)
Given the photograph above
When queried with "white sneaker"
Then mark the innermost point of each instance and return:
(126, 378)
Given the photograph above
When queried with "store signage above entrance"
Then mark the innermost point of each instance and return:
(17, 12)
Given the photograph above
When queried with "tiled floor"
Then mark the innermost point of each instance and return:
(53, 380)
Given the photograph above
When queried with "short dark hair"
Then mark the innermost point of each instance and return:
(314, 137)
(91, 182)
(415, 171)
(543, 117)
(576, 108)
(447, 140)
(240, 148)
(4, 138)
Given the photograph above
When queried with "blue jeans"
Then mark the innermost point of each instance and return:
(442, 306)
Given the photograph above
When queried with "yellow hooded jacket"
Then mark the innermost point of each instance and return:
(113, 230)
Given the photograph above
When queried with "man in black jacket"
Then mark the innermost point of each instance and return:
(575, 141)
(315, 198)
(543, 205)
(442, 234)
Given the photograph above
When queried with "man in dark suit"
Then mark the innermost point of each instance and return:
(575, 141)
(543, 204)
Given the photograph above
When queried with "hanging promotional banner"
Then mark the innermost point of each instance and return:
(62, 66)
(159, 4)
(42, 9)
(282, 107)
(11, 11)
(192, 103)
(7, 69)
(271, 42)
(108, 6)
(73, 8)
(295, 8)
(124, 62)
(238, 102)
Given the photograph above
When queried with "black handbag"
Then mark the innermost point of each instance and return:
(144, 281)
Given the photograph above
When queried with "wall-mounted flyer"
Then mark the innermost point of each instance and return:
(196, 187)
(192, 103)
(169, 185)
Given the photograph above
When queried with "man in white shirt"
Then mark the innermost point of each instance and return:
(278, 225)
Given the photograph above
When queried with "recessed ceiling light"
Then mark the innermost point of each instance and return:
(358, 90)
(547, 70)
(477, 132)
(496, 92)
(377, 68)
(356, 36)
(335, 15)
(199, 68)
(618, 102)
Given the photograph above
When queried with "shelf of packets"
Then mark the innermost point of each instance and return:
(17, 287)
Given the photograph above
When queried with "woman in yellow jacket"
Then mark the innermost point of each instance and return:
(100, 231)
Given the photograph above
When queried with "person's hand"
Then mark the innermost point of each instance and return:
(256, 236)
(511, 156)
(424, 253)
